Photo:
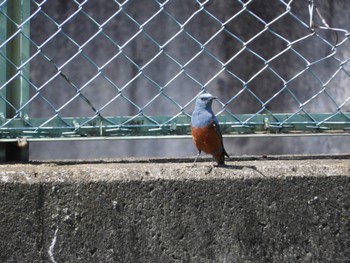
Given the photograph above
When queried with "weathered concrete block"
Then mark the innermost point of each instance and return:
(250, 211)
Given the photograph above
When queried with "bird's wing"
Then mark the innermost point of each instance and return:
(217, 127)
(218, 130)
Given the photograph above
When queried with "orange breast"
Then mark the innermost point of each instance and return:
(207, 139)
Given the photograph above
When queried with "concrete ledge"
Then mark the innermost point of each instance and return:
(295, 210)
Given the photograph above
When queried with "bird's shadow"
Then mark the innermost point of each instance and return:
(241, 167)
(235, 167)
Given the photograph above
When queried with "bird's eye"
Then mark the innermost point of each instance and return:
(202, 98)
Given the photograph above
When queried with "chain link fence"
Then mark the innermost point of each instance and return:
(130, 69)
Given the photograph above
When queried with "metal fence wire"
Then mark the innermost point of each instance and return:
(125, 69)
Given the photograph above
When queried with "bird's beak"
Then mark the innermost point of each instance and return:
(213, 98)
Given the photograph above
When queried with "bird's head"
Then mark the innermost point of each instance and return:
(204, 101)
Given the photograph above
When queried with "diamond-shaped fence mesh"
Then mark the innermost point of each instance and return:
(92, 69)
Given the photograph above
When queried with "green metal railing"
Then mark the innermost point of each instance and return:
(19, 91)
(14, 69)
(163, 126)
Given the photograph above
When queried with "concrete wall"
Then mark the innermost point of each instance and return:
(291, 210)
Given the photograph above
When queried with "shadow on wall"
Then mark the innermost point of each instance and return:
(200, 68)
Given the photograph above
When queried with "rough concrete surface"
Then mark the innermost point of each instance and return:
(271, 210)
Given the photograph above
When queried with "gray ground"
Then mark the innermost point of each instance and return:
(176, 169)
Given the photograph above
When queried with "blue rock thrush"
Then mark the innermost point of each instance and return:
(206, 132)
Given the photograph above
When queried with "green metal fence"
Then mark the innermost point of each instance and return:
(20, 52)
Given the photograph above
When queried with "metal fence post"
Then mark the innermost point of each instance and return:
(17, 91)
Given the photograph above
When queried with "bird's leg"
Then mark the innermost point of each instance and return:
(199, 152)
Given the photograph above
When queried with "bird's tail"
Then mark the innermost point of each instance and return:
(220, 157)
(226, 154)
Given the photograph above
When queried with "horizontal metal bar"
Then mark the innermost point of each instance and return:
(174, 137)
(141, 127)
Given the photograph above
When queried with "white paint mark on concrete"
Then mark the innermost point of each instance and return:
(52, 246)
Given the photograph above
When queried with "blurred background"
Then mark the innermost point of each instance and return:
(95, 34)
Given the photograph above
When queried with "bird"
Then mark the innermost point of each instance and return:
(206, 132)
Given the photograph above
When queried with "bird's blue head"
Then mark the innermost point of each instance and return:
(204, 101)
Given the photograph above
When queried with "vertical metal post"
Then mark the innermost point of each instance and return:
(3, 37)
(18, 53)
(17, 91)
